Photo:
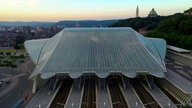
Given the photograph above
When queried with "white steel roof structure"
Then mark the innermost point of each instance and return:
(177, 49)
(102, 51)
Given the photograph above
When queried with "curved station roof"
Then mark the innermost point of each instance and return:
(102, 51)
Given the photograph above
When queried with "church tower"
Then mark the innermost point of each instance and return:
(137, 12)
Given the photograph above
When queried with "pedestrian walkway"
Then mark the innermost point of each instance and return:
(42, 98)
(163, 100)
(178, 81)
(103, 99)
(160, 97)
(132, 98)
(20, 75)
(185, 59)
(186, 55)
(74, 98)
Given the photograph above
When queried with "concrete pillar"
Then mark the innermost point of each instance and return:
(56, 80)
(79, 83)
(104, 84)
(123, 82)
(34, 85)
(99, 83)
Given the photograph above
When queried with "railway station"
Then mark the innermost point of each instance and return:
(104, 67)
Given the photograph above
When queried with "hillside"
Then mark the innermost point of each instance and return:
(175, 29)
(137, 23)
(85, 23)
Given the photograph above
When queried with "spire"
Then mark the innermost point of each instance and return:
(137, 12)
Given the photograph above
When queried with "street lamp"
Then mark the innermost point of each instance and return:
(39, 106)
(136, 103)
(169, 104)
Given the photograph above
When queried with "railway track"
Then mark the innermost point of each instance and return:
(145, 97)
(62, 94)
(117, 98)
(89, 94)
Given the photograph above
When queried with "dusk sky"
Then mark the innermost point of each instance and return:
(56, 10)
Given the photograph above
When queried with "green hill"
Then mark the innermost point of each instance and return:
(175, 29)
(137, 23)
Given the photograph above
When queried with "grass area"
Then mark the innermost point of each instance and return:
(9, 58)
(11, 50)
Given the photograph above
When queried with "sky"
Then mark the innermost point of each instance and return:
(57, 10)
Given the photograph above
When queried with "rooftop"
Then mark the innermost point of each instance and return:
(100, 51)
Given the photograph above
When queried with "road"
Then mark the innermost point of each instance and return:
(19, 91)
(22, 86)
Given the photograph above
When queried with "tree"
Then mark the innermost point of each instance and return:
(189, 11)
(8, 53)
(19, 40)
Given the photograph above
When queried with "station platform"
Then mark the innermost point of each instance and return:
(160, 97)
(42, 98)
(103, 99)
(132, 98)
(178, 81)
(74, 98)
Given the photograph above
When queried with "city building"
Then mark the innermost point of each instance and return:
(143, 31)
(152, 13)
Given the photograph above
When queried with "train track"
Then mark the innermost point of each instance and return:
(89, 94)
(62, 94)
(117, 98)
(145, 97)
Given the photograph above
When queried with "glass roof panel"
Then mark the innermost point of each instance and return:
(100, 51)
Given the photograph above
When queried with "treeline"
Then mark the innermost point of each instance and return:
(19, 42)
(179, 40)
(179, 23)
(149, 23)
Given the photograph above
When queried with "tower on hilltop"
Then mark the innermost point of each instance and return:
(137, 12)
